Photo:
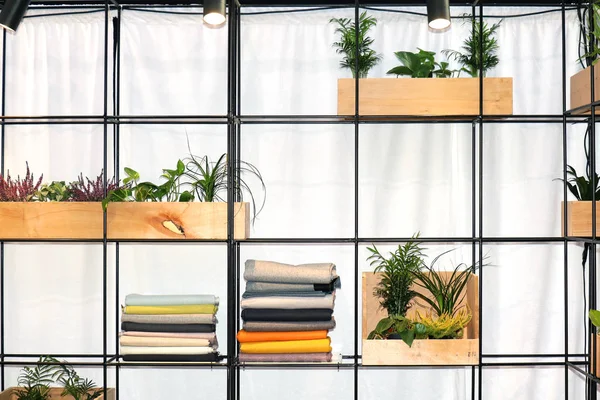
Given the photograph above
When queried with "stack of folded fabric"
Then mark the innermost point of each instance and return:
(287, 312)
(169, 328)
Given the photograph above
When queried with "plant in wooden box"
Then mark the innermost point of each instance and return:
(188, 204)
(589, 52)
(420, 65)
(56, 210)
(35, 383)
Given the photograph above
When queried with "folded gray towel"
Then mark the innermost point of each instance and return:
(252, 286)
(269, 271)
(249, 295)
(251, 326)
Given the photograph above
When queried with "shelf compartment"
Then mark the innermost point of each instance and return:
(194, 220)
(581, 90)
(51, 220)
(55, 394)
(423, 352)
(426, 96)
(579, 218)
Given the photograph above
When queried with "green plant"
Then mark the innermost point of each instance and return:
(53, 191)
(589, 33)
(75, 386)
(473, 47)
(35, 382)
(352, 49)
(397, 276)
(405, 328)
(445, 326)
(581, 186)
(595, 318)
(447, 290)
(420, 65)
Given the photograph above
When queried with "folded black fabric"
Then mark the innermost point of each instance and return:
(140, 327)
(285, 315)
(213, 357)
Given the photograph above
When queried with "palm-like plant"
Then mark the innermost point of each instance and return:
(473, 54)
(352, 49)
(398, 273)
(77, 387)
(35, 382)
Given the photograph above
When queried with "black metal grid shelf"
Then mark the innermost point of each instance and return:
(234, 120)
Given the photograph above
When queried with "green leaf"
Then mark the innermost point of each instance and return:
(186, 196)
(400, 70)
(408, 59)
(180, 167)
(595, 317)
(408, 336)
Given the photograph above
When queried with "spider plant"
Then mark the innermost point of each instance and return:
(352, 49)
(470, 58)
(397, 276)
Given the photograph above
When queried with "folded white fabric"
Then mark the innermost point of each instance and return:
(162, 341)
(125, 350)
(287, 302)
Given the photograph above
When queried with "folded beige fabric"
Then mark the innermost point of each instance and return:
(211, 337)
(269, 271)
(162, 341)
(288, 302)
(170, 318)
(125, 350)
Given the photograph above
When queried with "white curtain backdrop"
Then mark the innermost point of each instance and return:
(412, 177)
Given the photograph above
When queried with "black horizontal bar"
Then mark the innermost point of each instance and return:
(73, 363)
(574, 366)
(525, 364)
(65, 355)
(276, 365)
(531, 355)
(133, 364)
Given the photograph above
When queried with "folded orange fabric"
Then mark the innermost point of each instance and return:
(293, 346)
(248, 337)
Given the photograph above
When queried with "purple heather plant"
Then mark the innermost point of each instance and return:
(19, 190)
(88, 190)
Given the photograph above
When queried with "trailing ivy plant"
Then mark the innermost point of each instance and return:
(469, 57)
(420, 65)
(53, 191)
(351, 49)
(397, 276)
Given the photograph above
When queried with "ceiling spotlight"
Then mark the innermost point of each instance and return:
(12, 13)
(214, 12)
(438, 14)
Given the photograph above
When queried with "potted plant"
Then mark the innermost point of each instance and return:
(589, 50)
(39, 383)
(594, 316)
(189, 203)
(439, 324)
(429, 96)
(56, 210)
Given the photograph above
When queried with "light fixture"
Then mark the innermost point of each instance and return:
(12, 13)
(438, 14)
(214, 12)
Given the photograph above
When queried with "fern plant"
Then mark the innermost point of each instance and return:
(352, 49)
(398, 273)
(472, 58)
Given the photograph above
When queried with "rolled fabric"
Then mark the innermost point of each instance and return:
(249, 295)
(185, 309)
(252, 286)
(248, 337)
(253, 326)
(170, 318)
(169, 300)
(166, 350)
(212, 357)
(294, 346)
(269, 271)
(211, 337)
(162, 341)
(292, 357)
(134, 326)
(277, 314)
(289, 302)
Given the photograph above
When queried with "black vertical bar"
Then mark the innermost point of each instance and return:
(592, 253)
(238, 104)
(356, 182)
(2, 157)
(474, 202)
(480, 376)
(104, 240)
(565, 194)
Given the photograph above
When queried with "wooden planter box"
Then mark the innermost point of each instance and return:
(579, 218)
(426, 96)
(75, 220)
(55, 394)
(193, 220)
(581, 91)
(423, 352)
(50, 220)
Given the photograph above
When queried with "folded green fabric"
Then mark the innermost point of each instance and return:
(269, 271)
(169, 300)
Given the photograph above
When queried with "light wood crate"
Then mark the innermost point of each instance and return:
(193, 220)
(51, 220)
(426, 96)
(579, 218)
(55, 394)
(581, 91)
(463, 351)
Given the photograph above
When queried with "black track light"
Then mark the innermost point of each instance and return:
(438, 14)
(214, 12)
(12, 13)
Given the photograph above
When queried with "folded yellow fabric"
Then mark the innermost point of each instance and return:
(293, 346)
(183, 309)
